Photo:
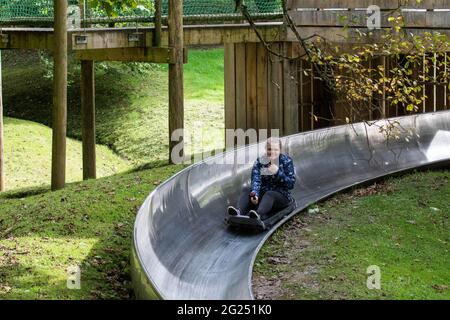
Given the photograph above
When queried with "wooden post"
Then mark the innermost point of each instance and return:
(384, 104)
(275, 90)
(241, 87)
(82, 13)
(230, 89)
(262, 71)
(88, 118)
(290, 90)
(59, 112)
(2, 159)
(445, 87)
(312, 113)
(251, 83)
(157, 38)
(88, 112)
(176, 88)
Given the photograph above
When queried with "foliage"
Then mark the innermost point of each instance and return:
(73, 69)
(131, 101)
(412, 59)
(359, 75)
(114, 8)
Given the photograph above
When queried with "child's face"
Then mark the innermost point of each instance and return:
(273, 150)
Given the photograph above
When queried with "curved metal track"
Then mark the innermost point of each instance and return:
(182, 248)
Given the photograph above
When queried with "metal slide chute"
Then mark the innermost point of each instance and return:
(183, 249)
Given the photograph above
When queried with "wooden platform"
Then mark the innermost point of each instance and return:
(105, 38)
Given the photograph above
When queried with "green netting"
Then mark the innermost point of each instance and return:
(11, 10)
(38, 12)
(220, 7)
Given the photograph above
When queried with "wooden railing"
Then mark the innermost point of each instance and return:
(428, 14)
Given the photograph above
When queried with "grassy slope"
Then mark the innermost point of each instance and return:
(315, 256)
(204, 86)
(132, 106)
(88, 224)
(28, 156)
(326, 255)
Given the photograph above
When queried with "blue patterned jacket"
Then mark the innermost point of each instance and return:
(283, 181)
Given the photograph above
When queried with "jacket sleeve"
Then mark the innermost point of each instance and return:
(256, 178)
(287, 174)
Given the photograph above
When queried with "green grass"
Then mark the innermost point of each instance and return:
(131, 101)
(88, 224)
(326, 255)
(28, 156)
(204, 76)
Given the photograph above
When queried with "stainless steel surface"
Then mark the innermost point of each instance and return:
(182, 248)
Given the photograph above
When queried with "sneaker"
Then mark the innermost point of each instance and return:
(254, 215)
(232, 211)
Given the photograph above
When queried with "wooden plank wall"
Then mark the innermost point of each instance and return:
(384, 4)
(436, 96)
(275, 90)
(327, 17)
(261, 89)
(330, 12)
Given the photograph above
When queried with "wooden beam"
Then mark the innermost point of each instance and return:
(384, 4)
(250, 65)
(59, 113)
(290, 90)
(153, 55)
(358, 19)
(241, 87)
(275, 89)
(105, 38)
(347, 39)
(20, 38)
(230, 88)
(108, 38)
(2, 158)
(176, 87)
(220, 34)
(262, 95)
(158, 24)
(312, 111)
(193, 35)
(88, 118)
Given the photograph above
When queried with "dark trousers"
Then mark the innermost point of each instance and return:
(271, 200)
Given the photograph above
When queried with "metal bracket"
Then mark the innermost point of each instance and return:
(81, 39)
(135, 37)
(4, 38)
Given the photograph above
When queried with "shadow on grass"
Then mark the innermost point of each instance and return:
(87, 224)
(28, 96)
(25, 192)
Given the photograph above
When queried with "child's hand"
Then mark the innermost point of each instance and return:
(273, 169)
(254, 200)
